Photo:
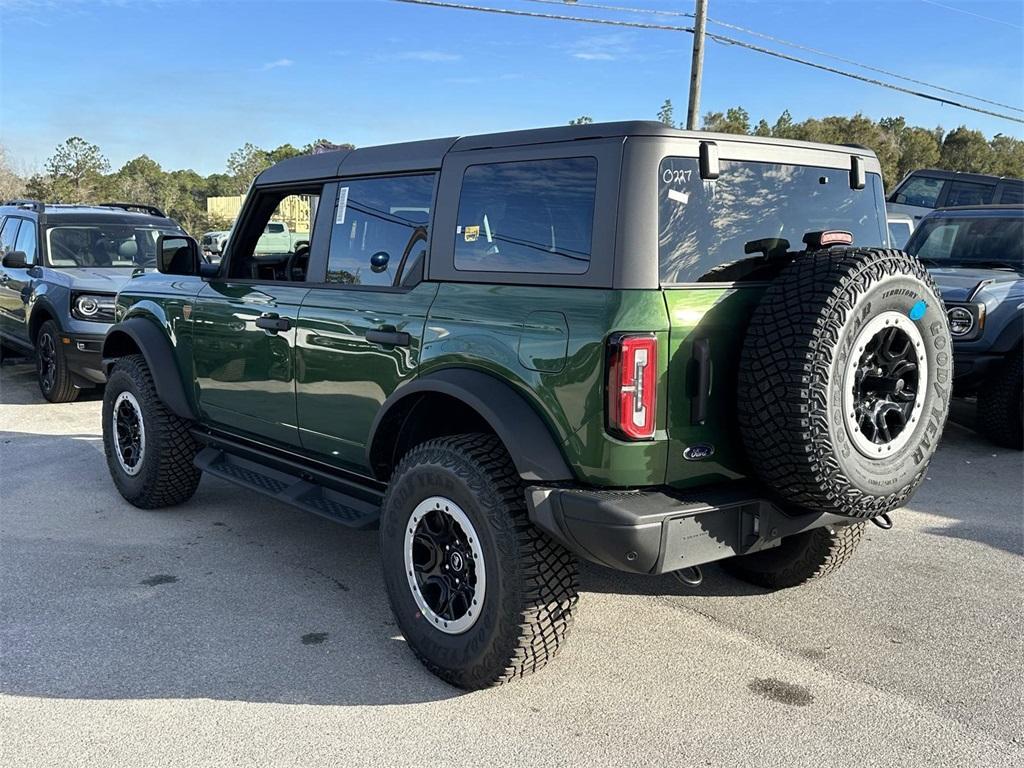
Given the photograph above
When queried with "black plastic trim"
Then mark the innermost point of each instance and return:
(156, 348)
(526, 437)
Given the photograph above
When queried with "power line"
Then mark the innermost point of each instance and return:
(717, 38)
(787, 43)
(972, 13)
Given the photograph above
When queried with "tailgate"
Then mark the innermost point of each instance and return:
(707, 326)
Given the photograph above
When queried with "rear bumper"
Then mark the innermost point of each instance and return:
(651, 531)
(84, 354)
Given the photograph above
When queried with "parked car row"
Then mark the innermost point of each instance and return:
(276, 238)
(614, 342)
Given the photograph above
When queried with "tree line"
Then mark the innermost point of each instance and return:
(900, 147)
(79, 172)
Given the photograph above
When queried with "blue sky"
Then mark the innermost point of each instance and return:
(188, 82)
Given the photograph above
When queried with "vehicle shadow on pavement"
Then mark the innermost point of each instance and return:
(227, 597)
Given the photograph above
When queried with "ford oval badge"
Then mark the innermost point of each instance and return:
(698, 452)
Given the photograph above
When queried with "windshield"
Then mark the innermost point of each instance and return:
(103, 245)
(961, 241)
(704, 225)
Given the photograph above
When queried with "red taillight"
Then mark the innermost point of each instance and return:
(632, 385)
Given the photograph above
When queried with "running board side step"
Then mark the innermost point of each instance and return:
(298, 489)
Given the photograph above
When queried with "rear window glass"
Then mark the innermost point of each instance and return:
(704, 226)
(535, 216)
(275, 229)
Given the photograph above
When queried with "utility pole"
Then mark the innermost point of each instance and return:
(697, 65)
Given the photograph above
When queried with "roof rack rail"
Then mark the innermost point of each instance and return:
(152, 210)
(36, 205)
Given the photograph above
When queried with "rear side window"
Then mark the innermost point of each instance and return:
(1012, 192)
(534, 216)
(718, 231)
(380, 229)
(922, 191)
(969, 193)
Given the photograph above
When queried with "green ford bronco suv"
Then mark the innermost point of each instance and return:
(643, 347)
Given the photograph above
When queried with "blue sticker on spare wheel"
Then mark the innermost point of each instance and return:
(917, 311)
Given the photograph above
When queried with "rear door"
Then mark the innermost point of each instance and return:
(360, 327)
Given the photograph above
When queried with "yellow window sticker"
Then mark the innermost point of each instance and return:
(471, 234)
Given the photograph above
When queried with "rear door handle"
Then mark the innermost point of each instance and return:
(272, 322)
(389, 337)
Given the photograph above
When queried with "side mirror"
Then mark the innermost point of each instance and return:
(379, 261)
(177, 255)
(16, 260)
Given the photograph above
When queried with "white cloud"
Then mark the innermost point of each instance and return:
(602, 47)
(593, 56)
(277, 64)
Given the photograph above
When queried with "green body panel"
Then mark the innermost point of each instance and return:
(513, 332)
(163, 299)
(245, 375)
(342, 379)
(719, 315)
(319, 385)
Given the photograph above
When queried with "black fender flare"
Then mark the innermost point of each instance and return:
(529, 441)
(46, 306)
(154, 345)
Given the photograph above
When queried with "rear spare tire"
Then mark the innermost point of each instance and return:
(845, 380)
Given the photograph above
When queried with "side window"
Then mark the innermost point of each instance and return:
(380, 229)
(9, 235)
(939, 243)
(533, 216)
(1012, 193)
(272, 244)
(920, 190)
(27, 241)
(969, 193)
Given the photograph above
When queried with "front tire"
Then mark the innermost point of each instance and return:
(1000, 412)
(149, 449)
(481, 595)
(52, 366)
(799, 558)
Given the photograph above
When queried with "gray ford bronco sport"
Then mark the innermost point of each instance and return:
(643, 347)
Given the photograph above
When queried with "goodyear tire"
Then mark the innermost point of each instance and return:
(482, 596)
(1000, 412)
(845, 380)
(799, 558)
(149, 449)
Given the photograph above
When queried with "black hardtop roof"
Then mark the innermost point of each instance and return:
(1002, 209)
(428, 154)
(74, 213)
(939, 173)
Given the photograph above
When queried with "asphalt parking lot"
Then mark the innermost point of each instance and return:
(236, 631)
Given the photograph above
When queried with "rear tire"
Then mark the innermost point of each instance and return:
(798, 559)
(1000, 415)
(461, 497)
(149, 449)
(52, 366)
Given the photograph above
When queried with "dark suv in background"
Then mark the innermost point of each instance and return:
(924, 190)
(976, 255)
(60, 269)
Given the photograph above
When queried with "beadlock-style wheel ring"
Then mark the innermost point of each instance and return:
(884, 385)
(129, 433)
(444, 565)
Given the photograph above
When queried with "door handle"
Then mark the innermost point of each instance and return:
(273, 323)
(389, 337)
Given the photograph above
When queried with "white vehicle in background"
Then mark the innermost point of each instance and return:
(901, 227)
(276, 238)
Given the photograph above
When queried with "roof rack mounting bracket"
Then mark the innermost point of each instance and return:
(858, 176)
(710, 167)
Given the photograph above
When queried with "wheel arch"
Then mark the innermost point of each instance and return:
(456, 400)
(137, 335)
(42, 310)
